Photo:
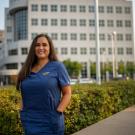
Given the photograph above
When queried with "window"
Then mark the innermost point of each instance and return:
(9, 29)
(9, 41)
(127, 23)
(44, 22)
(63, 8)
(119, 10)
(64, 51)
(120, 51)
(82, 22)
(54, 22)
(82, 36)
(128, 37)
(34, 22)
(101, 9)
(33, 35)
(56, 50)
(109, 9)
(101, 23)
(119, 23)
(92, 51)
(12, 66)
(73, 22)
(63, 22)
(64, 36)
(127, 10)
(119, 37)
(84, 70)
(102, 50)
(73, 50)
(110, 23)
(34, 7)
(13, 52)
(92, 36)
(73, 8)
(54, 8)
(73, 36)
(102, 36)
(82, 8)
(54, 36)
(24, 51)
(83, 51)
(129, 51)
(44, 8)
(109, 37)
(91, 9)
(92, 23)
(109, 51)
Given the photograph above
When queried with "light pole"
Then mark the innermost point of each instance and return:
(113, 54)
(98, 74)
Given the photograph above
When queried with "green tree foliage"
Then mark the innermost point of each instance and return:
(121, 68)
(73, 68)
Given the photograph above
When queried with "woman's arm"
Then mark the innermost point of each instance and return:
(66, 96)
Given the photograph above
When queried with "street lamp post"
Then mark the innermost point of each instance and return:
(98, 74)
(113, 54)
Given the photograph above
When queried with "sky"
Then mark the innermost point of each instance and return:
(3, 4)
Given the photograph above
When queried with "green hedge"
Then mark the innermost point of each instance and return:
(89, 104)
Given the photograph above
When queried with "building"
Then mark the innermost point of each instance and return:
(71, 24)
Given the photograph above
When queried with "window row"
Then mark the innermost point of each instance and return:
(84, 36)
(74, 51)
(81, 22)
(80, 8)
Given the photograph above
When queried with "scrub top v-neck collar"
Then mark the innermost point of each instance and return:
(41, 68)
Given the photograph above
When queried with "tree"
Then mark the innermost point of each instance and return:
(93, 69)
(130, 69)
(73, 68)
(121, 68)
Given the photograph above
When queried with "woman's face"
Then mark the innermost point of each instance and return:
(42, 48)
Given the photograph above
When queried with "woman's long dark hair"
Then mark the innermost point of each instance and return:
(31, 59)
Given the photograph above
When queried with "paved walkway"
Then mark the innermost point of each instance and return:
(122, 123)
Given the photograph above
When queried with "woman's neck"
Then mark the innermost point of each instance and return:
(42, 62)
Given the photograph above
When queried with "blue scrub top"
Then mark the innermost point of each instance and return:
(41, 95)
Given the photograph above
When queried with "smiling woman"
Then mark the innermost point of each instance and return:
(42, 80)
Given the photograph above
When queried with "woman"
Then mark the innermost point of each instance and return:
(41, 80)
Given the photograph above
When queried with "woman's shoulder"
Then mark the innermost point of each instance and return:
(57, 63)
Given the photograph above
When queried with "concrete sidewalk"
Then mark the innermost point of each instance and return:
(122, 123)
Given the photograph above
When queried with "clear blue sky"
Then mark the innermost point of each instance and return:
(3, 4)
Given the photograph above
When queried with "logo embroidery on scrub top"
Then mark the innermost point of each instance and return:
(46, 73)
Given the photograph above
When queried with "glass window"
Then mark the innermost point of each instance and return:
(44, 8)
(120, 51)
(73, 36)
(102, 50)
(73, 22)
(129, 51)
(54, 8)
(24, 51)
(91, 9)
(83, 51)
(12, 66)
(109, 37)
(92, 22)
(101, 9)
(82, 22)
(92, 51)
(34, 22)
(54, 22)
(64, 36)
(84, 70)
(34, 7)
(128, 37)
(92, 36)
(102, 36)
(119, 23)
(12, 52)
(63, 8)
(109, 9)
(73, 8)
(82, 36)
(109, 51)
(63, 22)
(54, 36)
(9, 29)
(119, 10)
(44, 22)
(110, 23)
(73, 50)
(101, 23)
(33, 35)
(127, 10)
(128, 23)
(64, 51)
(119, 37)
(82, 8)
